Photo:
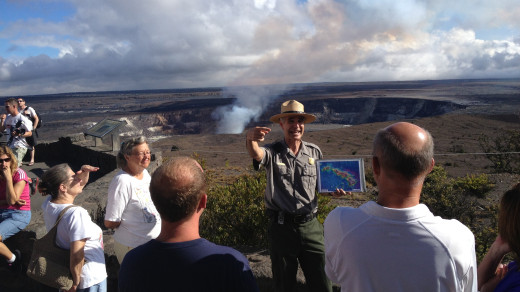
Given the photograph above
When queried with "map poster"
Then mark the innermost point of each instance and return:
(346, 174)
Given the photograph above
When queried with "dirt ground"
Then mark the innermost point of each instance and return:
(455, 135)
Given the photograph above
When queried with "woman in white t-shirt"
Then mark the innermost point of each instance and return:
(130, 210)
(76, 231)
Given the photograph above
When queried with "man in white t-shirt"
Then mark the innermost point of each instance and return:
(30, 113)
(18, 127)
(396, 243)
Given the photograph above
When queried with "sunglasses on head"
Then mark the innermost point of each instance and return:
(5, 159)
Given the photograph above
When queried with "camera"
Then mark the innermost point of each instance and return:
(18, 131)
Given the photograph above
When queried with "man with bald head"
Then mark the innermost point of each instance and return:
(179, 259)
(396, 243)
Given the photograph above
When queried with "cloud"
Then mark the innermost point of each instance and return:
(126, 45)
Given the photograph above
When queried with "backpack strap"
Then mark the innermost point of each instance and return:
(27, 108)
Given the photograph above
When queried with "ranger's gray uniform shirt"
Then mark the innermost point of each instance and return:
(291, 180)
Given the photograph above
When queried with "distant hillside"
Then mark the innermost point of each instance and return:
(189, 111)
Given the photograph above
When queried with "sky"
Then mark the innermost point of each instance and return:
(56, 46)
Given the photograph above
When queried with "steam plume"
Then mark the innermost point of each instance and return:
(248, 106)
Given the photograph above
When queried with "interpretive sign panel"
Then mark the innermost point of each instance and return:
(104, 127)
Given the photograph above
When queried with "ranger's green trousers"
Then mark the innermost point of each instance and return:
(291, 243)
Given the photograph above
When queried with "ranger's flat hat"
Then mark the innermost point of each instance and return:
(292, 108)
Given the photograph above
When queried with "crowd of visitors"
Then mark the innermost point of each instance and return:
(393, 243)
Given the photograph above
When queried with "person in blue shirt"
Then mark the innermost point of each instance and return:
(179, 259)
(492, 274)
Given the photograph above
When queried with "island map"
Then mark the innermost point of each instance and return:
(341, 174)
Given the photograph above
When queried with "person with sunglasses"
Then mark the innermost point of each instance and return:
(15, 205)
(30, 113)
(18, 128)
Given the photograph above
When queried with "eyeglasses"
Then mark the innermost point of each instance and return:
(5, 159)
(20, 101)
(142, 153)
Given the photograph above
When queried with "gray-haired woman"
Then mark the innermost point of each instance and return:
(130, 210)
(76, 231)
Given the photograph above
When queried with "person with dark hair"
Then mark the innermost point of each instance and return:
(76, 231)
(18, 128)
(179, 259)
(396, 243)
(30, 113)
(492, 274)
(295, 235)
(130, 210)
(15, 204)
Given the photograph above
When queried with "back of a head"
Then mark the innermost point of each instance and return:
(177, 187)
(405, 149)
(52, 179)
(509, 219)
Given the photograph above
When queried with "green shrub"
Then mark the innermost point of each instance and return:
(484, 237)
(486, 232)
(324, 207)
(458, 199)
(235, 213)
(201, 160)
(500, 151)
(369, 177)
(445, 200)
(474, 185)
